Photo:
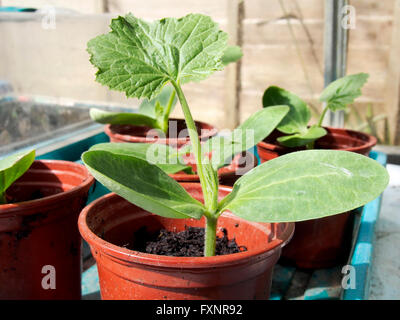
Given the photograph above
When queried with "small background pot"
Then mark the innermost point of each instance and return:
(240, 164)
(43, 232)
(139, 134)
(325, 242)
(125, 274)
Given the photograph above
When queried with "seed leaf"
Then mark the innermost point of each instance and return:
(13, 167)
(299, 115)
(161, 155)
(301, 139)
(142, 184)
(306, 185)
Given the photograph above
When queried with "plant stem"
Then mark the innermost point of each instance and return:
(321, 118)
(167, 111)
(210, 236)
(206, 186)
(194, 139)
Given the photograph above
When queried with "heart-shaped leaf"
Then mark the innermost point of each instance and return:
(301, 139)
(142, 184)
(343, 91)
(166, 158)
(306, 185)
(299, 115)
(13, 167)
(140, 57)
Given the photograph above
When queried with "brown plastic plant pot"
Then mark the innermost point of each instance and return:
(39, 239)
(143, 134)
(241, 164)
(336, 139)
(111, 221)
(325, 242)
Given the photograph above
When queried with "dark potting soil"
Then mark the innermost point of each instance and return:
(187, 243)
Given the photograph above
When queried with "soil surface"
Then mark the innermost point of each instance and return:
(187, 243)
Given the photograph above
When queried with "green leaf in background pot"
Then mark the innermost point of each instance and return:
(299, 114)
(232, 54)
(139, 57)
(13, 167)
(253, 130)
(142, 184)
(161, 155)
(306, 185)
(134, 119)
(341, 92)
(301, 139)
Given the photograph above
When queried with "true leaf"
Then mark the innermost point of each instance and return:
(121, 118)
(143, 184)
(306, 185)
(253, 130)
(343, 91)
(301, 139)
(140, 57)
(299, 115)
(161, 155)
(13, 167)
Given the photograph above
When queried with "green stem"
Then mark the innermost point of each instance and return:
(167, 111)
(210, 202)
(194, 138)
(210, 237)
(322, 116)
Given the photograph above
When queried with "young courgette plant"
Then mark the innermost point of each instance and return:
(336, 96)
(141, 58)
(13, 167)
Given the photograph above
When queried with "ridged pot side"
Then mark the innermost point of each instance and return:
(111, 221)
(39, 238)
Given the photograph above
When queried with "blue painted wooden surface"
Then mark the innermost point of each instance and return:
(323, 283)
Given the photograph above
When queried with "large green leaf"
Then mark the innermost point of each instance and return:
(143, 184)
(299, 115)
(306, 185)
(166, 158)
(301, 139)
(139, 57)
(13, 167)
(137, 119)
(253, 130)
(343, 91)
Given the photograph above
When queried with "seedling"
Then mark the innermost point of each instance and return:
(336, 96)
(141, 58)
(13, 167)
